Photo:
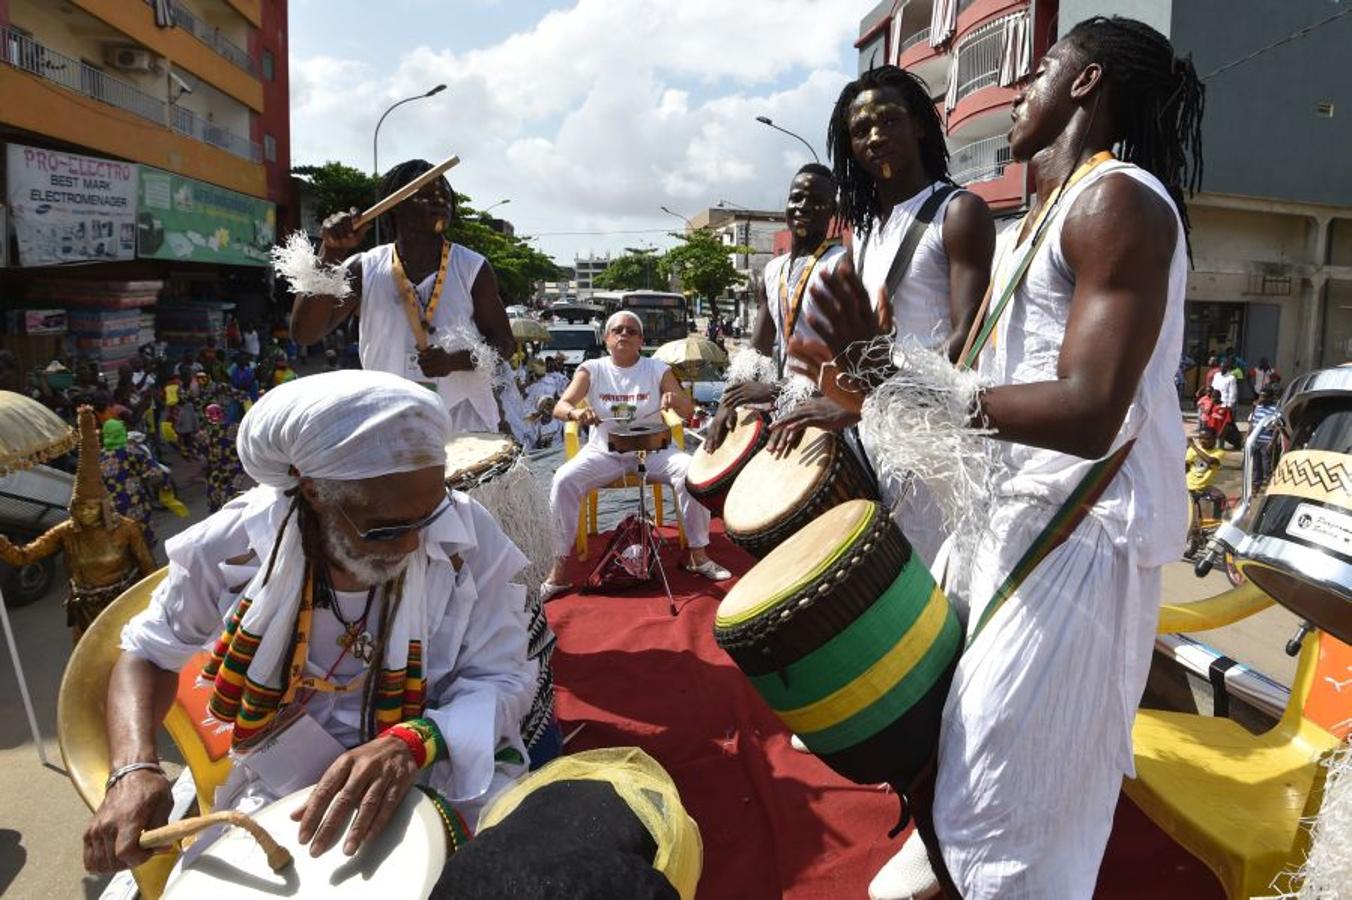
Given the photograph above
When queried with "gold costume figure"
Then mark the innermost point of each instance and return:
(106, 552)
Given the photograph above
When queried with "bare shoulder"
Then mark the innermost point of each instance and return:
(1119, 217)
(969, 227)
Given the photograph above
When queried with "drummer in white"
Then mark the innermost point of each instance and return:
(421, 285)
(372, 629)
(629, 387)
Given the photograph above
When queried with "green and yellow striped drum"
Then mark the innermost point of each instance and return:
(844, 633)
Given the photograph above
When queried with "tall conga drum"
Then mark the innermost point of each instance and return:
(1297, 546)
(712, 473)
(844, 633)
(775, 496)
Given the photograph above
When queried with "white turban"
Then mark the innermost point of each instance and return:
(344, 425)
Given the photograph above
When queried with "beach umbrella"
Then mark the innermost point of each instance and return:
(692, 352)
(30, 434)
(529, 330)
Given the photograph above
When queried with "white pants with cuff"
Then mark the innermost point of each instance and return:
(593, 468)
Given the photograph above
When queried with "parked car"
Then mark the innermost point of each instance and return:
(31, 501)
(575, 343)
(517, 312)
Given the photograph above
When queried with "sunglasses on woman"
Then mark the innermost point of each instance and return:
(387, 533)
(624, 329)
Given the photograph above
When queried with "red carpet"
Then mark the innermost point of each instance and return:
(775, 822)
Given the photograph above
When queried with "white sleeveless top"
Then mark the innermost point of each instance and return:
(385, 340)
(920, 303)
(776, 300)
(1146, 502)
(629, 394)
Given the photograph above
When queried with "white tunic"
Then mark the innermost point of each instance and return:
(920, 310)
(779, 294)
(628, 394)
(386, 342)
(479, 681)
(1036, 733)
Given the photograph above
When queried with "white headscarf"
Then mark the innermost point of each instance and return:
(345, 425)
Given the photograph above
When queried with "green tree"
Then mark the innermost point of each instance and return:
(337, 188)
(702, 263)
(518, 265)
(635, 270)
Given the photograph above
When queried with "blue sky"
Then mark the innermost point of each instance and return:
(588, 114)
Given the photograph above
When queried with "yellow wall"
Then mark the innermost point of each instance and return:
(249, 9)
(37, 105)
(137, 21)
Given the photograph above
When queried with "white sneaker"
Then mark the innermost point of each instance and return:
(710, 570)
(549, 590)
(797, 743)
(907, 875)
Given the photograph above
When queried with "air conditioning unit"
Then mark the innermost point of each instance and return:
(130, 59)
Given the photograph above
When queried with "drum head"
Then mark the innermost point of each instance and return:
(706, 466)
(405, 860)
(797, 561)
(472, 453)
(770, 488)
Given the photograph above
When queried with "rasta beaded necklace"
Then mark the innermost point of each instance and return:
(420, 314)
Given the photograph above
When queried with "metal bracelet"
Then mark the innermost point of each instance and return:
(123, 771)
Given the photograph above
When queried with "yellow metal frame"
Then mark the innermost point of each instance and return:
(1233, 799)
(81, 713)
(586, 512)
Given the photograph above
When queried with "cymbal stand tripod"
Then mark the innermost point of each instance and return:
(647, 537)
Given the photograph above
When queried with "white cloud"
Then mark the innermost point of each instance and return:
(599, 114)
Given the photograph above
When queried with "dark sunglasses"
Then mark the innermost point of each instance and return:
(387, 533)
(625, 329)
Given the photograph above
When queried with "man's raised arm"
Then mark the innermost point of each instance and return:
(314, 316)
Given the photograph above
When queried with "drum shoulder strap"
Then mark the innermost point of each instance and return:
(906, 250)
(1062, 524)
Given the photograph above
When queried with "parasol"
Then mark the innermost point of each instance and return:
(30, 434)
(692, 356)
(529, 330)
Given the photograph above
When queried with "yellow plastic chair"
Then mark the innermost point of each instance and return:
(81, 713)
(586, 512)
(1234, 799)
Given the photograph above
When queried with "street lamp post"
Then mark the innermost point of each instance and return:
(375, 137)
(689, 225)
(486, 210)
(765, 120)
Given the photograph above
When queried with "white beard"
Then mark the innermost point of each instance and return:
(342, 554)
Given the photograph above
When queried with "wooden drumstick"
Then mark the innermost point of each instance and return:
(278, 856)
(407, 190)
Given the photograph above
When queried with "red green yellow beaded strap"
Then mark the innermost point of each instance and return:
(423, 739)
(457, 832)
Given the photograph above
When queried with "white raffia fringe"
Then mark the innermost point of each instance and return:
(515, 498)
(455, 338)
(792, 392)
(748, 365)
(1326, 873)
(918, 424)
(297, 262)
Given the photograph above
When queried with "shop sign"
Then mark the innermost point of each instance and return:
(188, 220)
(70, 208)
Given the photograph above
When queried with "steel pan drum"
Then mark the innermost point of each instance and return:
(1297, 546)
(632, 438)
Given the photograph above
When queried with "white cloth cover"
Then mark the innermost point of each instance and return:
(943, 22)
(1016, 53)
(385, 341)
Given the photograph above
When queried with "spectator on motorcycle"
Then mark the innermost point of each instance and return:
(1203, 461)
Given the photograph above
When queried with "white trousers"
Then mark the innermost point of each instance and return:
(593, 468)
(1036, 732)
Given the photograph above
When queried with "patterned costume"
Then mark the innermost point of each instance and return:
(131, 477)
(223, 467)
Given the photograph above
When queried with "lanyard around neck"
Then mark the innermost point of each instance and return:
(419, 315)
(979, 338)
(789, 308)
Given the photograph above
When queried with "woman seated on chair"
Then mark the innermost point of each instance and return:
(623, 387)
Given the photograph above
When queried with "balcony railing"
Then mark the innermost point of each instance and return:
(185, 121)
(979, 58)
(22, 52)
(211, 36)
(921, 35)
(982, 160)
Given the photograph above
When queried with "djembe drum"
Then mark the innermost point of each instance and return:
(1297, 546)
(775, 496)
(844, 633)
(712, 473)
(404, 860)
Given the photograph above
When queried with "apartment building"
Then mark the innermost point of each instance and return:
(1272, 229)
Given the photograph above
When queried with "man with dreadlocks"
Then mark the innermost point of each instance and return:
(427, 305)
(922, 246)
(373, 634)
(1062, 589)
